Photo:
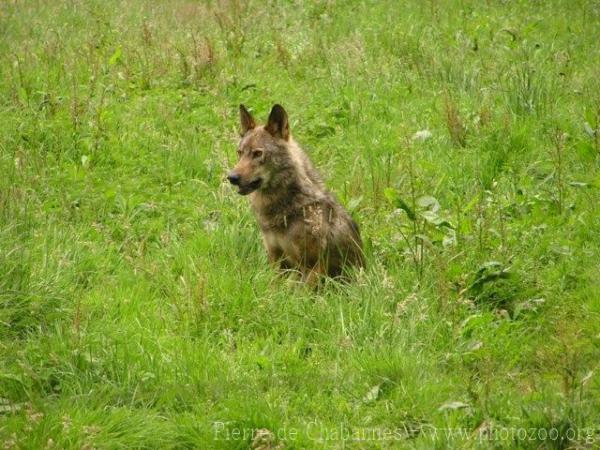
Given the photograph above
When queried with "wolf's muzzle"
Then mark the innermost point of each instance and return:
(233, 178)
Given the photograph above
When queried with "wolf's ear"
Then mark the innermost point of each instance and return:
(278, 123)
(247, 122)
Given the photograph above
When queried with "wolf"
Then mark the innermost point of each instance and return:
(304, 228)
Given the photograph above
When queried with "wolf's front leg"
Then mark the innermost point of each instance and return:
(277, 259)
(313, 276)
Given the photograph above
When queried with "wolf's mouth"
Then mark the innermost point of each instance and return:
(250, 187)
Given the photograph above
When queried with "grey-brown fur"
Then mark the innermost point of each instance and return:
(304, 228)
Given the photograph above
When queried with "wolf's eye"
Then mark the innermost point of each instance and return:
(257, 153)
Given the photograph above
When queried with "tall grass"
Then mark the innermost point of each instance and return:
(137, 308)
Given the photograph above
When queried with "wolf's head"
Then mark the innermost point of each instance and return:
(260, 150)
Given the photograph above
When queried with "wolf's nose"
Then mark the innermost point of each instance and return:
(233, 178)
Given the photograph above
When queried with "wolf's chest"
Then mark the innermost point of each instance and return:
(313, 218)
(297, 235)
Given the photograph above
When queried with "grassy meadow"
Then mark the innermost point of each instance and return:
(137, 308)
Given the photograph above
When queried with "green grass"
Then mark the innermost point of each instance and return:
(137, 308)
